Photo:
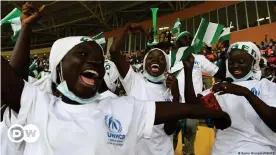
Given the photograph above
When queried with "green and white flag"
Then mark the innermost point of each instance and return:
(33, 66)
(14, 19)
(176, 57)
(225, 35)
(176, 27)
(99, 38)
(208, 33)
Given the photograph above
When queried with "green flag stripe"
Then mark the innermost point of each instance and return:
(15, 36)
(173, 56)
(217, 34)
(13, 14)
(202, 29)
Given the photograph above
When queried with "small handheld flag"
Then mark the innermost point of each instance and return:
(225, 35)
(176, 27)
(208, 33)
(14, 19)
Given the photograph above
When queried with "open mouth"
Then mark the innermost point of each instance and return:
(237, 72)
(155, 68)
(88, 77)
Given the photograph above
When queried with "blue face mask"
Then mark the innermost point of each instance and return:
(160, 78)
(62, 87)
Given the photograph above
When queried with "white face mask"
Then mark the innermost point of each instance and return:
(246, 77)
(160, 78)
(63, 88)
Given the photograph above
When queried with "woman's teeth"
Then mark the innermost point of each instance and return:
(87, 77)
(91, 71)
(155, 68)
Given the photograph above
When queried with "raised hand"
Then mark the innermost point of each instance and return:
(189, 63)
(135, 27)
(172, 83)
(29, 14)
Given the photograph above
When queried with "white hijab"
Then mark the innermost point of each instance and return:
(111, 75)
(254, 51)
(160, 78)
(59, 49)
(164, 53)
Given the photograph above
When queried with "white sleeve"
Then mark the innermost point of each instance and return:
(268, 92)
(145, 114)
(207, 66)
(33, 104)
(31, 79)
(131, 79)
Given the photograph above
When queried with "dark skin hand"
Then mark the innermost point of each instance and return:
(266, 113)
(118, 43)
(172, 83)
(12, 87)
(116, 47)
(190, 95)
(21, 53)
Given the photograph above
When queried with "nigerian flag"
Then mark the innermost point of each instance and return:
(14, 19)
(176, 57)
(176, 27)
(208, 33)
(225, 35)
(99, 38)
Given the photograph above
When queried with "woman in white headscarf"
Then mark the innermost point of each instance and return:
(250, 102)
(150, 85)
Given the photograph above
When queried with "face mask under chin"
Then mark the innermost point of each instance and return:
(62, 87)
(160, 78)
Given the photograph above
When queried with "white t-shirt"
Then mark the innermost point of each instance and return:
(201, 64)
(139, 87)
(90, 129)
(248, 133)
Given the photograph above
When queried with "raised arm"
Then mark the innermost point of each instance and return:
(189, 92)
(116, 47)
(11, 86)
(20, 58)
(172, 83)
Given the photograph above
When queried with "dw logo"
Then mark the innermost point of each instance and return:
(112, 124)
(255, 91)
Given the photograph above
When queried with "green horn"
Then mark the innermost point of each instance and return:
(154, 20)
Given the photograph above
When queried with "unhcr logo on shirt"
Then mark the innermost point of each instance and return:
(115, 128)
(255, 91)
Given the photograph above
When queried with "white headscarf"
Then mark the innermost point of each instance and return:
(254, 51)
(111, 75)
(164, 53)
(59, 49)
(160, 78)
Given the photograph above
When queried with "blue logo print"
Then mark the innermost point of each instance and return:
(255, 91)
(113, 125)
(115, 128)
(196, 64)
